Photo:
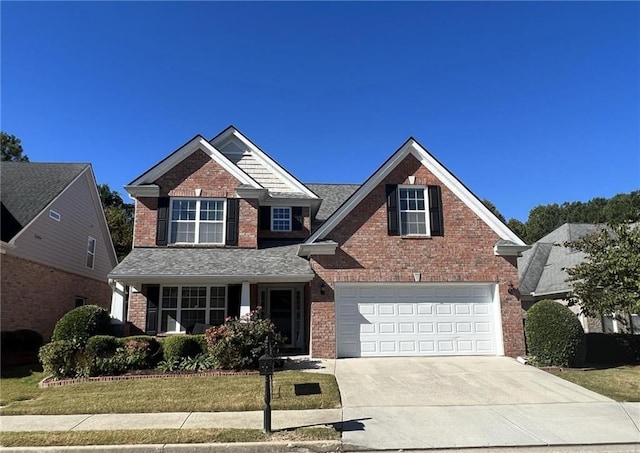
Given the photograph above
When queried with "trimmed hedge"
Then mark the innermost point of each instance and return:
(554, 335)
(63, 359)
(178, 347)
(82, 323)
(612, 348)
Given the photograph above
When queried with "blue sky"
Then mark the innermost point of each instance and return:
(526, 103)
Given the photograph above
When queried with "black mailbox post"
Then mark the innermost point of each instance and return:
(265, 366)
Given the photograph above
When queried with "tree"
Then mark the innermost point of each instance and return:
(608, 281)
(517, 227)
(11, 148)
(119, 217)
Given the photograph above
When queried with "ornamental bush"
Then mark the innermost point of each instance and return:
(239, 343)
(178, 347)
(554, 335)
(82, 323)
(63, 359)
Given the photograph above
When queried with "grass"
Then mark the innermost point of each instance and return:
(159, 436)
(20, 394)
(620, 383)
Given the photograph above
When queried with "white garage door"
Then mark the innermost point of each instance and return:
(415, 319)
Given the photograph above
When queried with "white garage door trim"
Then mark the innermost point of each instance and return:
(407, 319)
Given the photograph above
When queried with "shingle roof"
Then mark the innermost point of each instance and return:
(26, 188)
(541, 268)
(333, 195)
(213, 262)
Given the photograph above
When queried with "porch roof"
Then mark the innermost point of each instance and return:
(173, 264)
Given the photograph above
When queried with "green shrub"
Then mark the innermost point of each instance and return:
(613, 348)
(100, 354)
(178, 347)
(239, 343)
(154, 349)
(82, 323)
(554, 335)
(63, 359)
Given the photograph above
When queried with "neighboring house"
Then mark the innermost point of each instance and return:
(408, 263)
(543, 275)
(56, 250)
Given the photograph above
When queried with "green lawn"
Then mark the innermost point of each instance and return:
(160, 436)
(20, 395)
(620, 383)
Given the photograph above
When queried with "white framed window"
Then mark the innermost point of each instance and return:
(54, 215)
(197, 221)
(182, 307)
(280, 218)
(91, 252)
(412, 206)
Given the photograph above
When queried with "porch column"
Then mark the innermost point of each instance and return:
(245, 299)
(118, 315)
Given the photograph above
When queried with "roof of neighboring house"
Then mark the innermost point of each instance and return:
(333, 195)
(240, 264)
(26, 188)
(541, 268)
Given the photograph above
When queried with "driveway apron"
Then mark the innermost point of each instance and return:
(445, 402)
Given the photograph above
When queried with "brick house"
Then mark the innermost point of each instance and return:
(408, 263)
(55, 249)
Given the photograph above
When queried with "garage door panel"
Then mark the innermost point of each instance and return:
(377, 320)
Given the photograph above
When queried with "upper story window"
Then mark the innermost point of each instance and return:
(197, 221)
(280, 219)
(91, 252)
(413, 211)
(55, 215)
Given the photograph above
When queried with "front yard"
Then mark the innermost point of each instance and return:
(21, 395)
(620, 383)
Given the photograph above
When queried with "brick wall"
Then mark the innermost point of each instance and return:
(34, 296)
(368, 254)
(198, 171)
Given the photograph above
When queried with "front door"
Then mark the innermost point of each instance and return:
(281, 311)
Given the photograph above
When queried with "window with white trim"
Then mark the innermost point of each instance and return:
(414, 219)
(197, 221)
(91, 252)
(280, 219)
(55, 215)
(182, 307)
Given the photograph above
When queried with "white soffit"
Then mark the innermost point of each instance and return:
(445, 176)
(232, 133)
(198, 142)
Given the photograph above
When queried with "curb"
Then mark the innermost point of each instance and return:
(324, 446)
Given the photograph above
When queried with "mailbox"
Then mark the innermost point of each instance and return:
(266, 365)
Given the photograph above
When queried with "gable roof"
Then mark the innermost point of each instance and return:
(27, 188)
(197, 142)
(257, 163)
(411, 146)
(542, 268)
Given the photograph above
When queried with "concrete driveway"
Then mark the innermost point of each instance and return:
(446, 402)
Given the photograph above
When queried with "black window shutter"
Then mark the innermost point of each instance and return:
(264, 218)
(162, 233)
(153, 301)
(297, 218)
(392, 210)
(435, 211)
(232, 221)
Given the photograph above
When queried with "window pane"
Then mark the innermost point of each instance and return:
(168, 321)
(216, 317)
(190, 317)
(90, 260)
(169, 297)
(183, 232)
(412, 211)
(212, 210)
(211, 233)
(216, 299)
(91, 245)
(194, 297)
(183, 210)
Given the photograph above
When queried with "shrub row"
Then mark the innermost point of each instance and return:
(612, 348)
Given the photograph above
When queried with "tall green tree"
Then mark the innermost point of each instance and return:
(119, 218)
(493, 209)
(608, 281)
(11, 148)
